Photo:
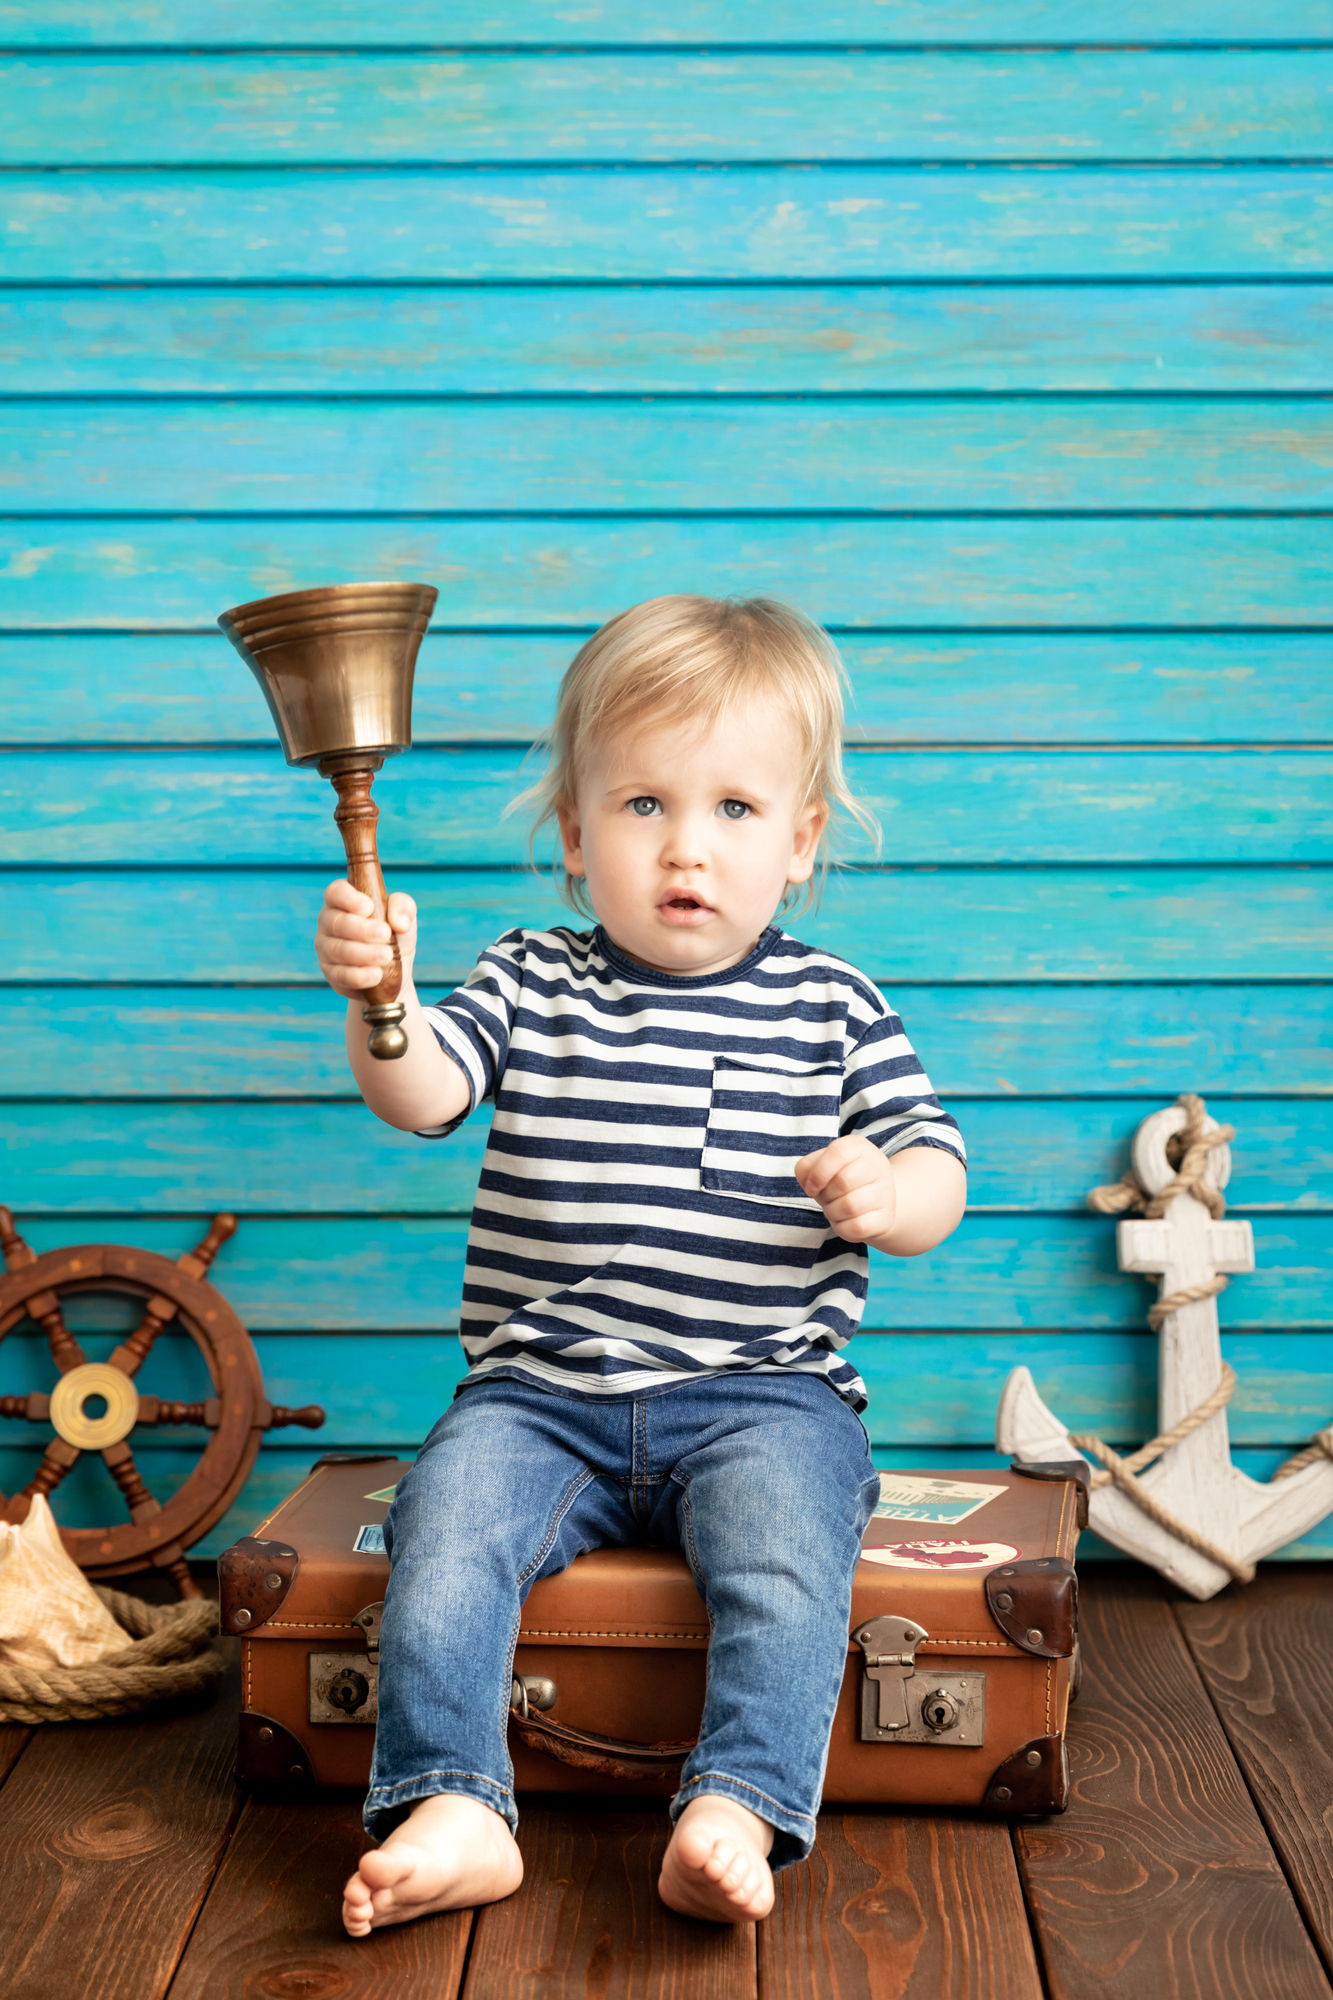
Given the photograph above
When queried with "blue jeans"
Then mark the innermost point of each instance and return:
(765, 1482)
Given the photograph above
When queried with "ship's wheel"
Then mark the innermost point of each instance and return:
(236, 1415)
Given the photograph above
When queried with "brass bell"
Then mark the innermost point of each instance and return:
(336, 668)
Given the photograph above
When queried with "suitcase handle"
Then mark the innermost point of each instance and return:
(609, 1756)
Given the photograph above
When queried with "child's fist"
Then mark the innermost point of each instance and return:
(853, 1183)
(352, 945)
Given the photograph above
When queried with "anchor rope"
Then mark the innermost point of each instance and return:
(1121, 1472)
(1320, 1446)
(1187, 1151)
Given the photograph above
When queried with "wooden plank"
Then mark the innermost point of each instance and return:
(1264, 1656)
(182, 1041)
(1042, 1153)
(270, 1922)
(1159, 1876)
(269, 108)
(13, 1740)
(926, 1388)
(280, 1468)
(109, 1838)
(446, 806)
(1182, 687)
(920, 1908)
(777, 223)
(366, 1274)
(952, 574)
(497, 340)
(588, 1919)
(549, 23)
(615, 456)
(900, 925)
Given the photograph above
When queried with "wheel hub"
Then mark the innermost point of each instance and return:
(73, 1391)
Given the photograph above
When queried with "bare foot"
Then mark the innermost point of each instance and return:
(449, 1853)
(716, 1865)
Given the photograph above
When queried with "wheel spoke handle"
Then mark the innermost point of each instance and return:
(310, 1417)
(56, 1462)
(269, 1416)
(119, 1461)
(130, 1356)
(152, 1410)
(36, 1407)
(44, 1306)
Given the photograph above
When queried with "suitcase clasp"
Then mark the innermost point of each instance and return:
(889, 1644)
(369, 1621)
(947, 1710)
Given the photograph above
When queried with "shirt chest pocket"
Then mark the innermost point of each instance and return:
(760, 1123)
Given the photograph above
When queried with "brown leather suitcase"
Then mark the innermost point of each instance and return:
(961, 1660)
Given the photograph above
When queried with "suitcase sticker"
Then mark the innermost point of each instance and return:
(907, 1496)
(942, 1555)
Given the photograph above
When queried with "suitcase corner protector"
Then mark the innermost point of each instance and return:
(1035, 1779)
(267, 1753)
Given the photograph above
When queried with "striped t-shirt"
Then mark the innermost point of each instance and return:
(638, 1221)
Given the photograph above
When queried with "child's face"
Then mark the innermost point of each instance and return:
(688, 835)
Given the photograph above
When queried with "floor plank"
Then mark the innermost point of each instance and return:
(903, 1905)
(588, 1920)
(13, 1737)
(1159, 1880)
(109, 1837)
(1266, 1656)
(271, 1926)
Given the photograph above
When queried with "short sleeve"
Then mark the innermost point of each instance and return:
(887, 1097)
(473, 1024)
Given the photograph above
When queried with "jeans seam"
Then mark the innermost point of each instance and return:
(505, 1689)
(695, 1564)
(387, 1793)
(562, 1507)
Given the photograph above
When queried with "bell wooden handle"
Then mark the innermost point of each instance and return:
(356, 817)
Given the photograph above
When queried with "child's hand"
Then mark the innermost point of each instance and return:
(853, 1183)
(352, 948)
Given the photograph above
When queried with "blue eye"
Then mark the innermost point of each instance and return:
(643, 808)
(734, 809)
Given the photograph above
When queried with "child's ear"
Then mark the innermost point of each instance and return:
(571, 835)
(806, 834)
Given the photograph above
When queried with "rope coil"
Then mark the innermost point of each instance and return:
(169, 1654)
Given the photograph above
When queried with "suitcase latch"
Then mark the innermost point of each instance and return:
(369, 1621)
(889, 1645)
(343, 1686)
(900, 1706)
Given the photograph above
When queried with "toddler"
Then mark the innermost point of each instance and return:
(699, 1125)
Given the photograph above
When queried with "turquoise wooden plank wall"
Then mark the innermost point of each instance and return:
(1000, 338)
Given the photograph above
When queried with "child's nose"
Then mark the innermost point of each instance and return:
(684, 846)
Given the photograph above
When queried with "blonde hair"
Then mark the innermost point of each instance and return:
(692, 659)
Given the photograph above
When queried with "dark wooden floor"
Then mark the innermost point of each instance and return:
(1196, 1859)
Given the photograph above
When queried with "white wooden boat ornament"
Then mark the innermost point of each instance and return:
(1192, 1514)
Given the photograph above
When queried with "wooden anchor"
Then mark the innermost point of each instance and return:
(1193, 1483)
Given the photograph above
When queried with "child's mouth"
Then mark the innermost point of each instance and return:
(684, 908)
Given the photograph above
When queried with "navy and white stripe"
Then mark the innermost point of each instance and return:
(638, 1219)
